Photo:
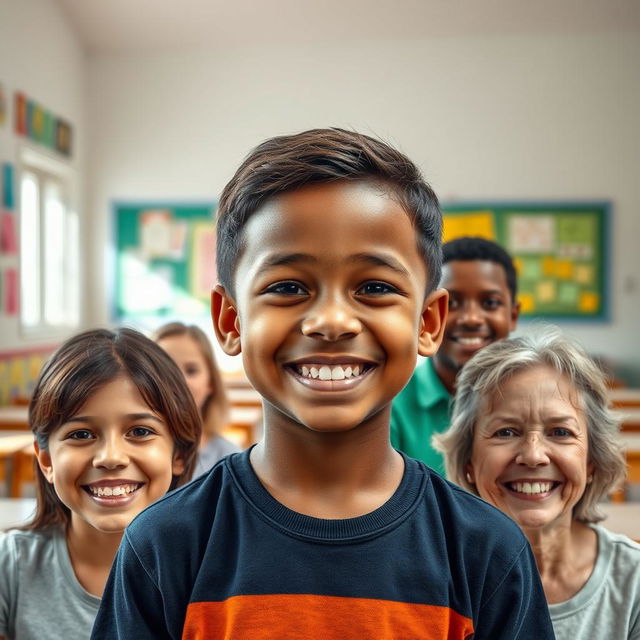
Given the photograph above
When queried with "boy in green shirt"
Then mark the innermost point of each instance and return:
(481, 280)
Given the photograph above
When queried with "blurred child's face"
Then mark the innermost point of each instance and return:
(331, 310)
(112, 459)
(480, 310)
(186, 353)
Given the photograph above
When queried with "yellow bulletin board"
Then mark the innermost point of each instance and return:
(561, 252)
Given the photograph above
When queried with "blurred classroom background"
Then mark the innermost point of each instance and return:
(121, 121)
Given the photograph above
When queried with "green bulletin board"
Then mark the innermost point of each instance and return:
(560, 251)
(164, 261)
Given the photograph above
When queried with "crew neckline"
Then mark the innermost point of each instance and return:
(329, 531)
(593, 583)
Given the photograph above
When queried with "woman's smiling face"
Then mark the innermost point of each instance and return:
(530, 453)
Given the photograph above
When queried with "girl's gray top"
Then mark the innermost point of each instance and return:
(40, 596)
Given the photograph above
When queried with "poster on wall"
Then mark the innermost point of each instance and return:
(560, 250)
(164, 261)
(37, 123)
(3, 106)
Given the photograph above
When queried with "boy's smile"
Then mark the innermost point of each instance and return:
(481, 311)
(330, 307)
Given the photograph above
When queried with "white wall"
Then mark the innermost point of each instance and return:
(547, 117)
(40, 56)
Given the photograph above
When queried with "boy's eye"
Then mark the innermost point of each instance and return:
(376, 288)
(492, 303)
(287, 288)
(80, 434)
(453, 304)
(141, 432)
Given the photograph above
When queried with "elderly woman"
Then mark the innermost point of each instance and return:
(531, 434)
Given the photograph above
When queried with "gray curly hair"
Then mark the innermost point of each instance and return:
(494, 364)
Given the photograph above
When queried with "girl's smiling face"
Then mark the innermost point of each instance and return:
(186, 353)
(530, 449)
(110, 460)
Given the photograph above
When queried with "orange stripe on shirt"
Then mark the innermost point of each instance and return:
(312, 617)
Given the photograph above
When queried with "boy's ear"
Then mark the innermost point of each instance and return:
(44, 462)
(433, 321)
(515, 314)
(226, 323)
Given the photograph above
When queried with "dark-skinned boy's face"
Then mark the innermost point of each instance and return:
(330, 303)
(480, 310)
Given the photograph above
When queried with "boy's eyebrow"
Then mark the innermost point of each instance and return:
(376, 259)
(484, 291)
(380, 260)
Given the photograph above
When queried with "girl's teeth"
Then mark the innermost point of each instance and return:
(121, 490)
(325, 372)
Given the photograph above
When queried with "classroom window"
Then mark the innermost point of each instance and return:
(49, 249)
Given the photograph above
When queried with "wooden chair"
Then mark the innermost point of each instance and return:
(22, 470)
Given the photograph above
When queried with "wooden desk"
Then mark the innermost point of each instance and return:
(630, 418)
(243, 397)
(14, 418)
(244, 425)
(16, 458)
(625, 397)
(15, 511)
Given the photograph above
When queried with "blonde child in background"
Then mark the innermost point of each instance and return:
(191, 350)
(115, 429)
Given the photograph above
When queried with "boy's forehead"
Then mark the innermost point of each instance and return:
(333, 219)
(486, 273)
(357, 208)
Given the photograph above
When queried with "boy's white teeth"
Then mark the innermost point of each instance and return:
(531, 487)
(119, 490)
(325, 372)
(471, 342)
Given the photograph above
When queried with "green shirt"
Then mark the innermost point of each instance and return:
(421, 409)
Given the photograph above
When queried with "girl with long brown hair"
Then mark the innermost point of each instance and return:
(115, 428)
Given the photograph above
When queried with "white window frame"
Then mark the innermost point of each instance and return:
(42, 314)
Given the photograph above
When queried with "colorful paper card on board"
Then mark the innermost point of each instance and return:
(472, 223)
(8, 240)
(7, 186)
(20, 104)
(11, 291)
(3, 106)
(63, 137)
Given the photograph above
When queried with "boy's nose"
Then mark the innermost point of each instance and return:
(111, 454)
(470, 315)
(532, 452)
(331, 320)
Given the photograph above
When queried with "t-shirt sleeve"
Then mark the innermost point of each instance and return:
(8, 582)
(517, 608)
(132, 605)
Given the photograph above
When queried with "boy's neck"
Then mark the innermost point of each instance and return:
(328, 475)
(446, 374)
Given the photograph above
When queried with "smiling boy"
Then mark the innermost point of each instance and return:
(328, 259)
(481, 280)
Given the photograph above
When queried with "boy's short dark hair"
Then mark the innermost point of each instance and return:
(475, 248)
(286, 163)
